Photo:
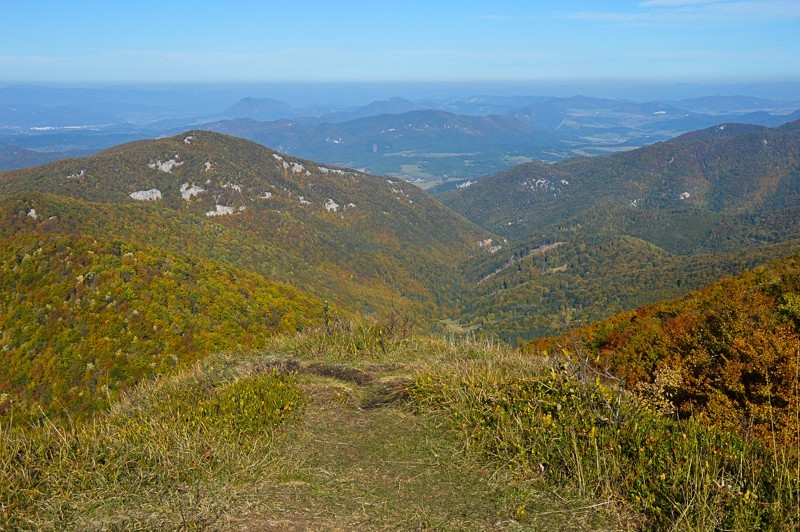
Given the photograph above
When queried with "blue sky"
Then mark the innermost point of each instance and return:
(237, 41)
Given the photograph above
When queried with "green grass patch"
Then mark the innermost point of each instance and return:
(389, 339)
(570, 430)
(415, 170)
(362, 424)
(177, 452)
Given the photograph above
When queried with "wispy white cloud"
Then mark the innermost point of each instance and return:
(598, 16)
(772, 56)
(695, 11)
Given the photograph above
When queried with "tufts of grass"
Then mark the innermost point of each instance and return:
(174, 453)
(195, 448)
(552, 423)
(363, 340)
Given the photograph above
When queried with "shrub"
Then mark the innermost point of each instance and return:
(554, 425)
(174, 452)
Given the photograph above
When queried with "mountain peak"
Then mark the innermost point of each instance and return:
(259, 109)
(791, 126)
(728, 129)
(292, 210)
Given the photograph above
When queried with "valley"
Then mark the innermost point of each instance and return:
(637, 227)
(529, 252)
(203, 264)
(491, 266)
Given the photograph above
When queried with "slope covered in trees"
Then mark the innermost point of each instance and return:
(152, 254)
(729, 353)
(730, 169)
(355, 239)
(635, 227)
(82, 318)
(581, 282)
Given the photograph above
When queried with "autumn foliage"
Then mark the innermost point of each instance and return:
(82, 319)
(729, 354)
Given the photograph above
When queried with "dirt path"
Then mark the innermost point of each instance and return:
(356, 463)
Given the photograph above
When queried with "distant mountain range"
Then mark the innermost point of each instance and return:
(282, 241)
(515, 129)
(427, 145)
(13, 156)
(418, 146)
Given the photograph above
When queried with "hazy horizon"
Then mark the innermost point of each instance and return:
(356, 94)
(651, 42)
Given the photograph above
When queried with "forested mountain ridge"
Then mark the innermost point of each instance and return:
(580, 282)
(151, 254)
(753, 169)
(359, 240)
(82, 319)
(635, 227)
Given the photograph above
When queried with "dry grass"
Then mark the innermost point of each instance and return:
(175, 453)
(362, 426)
(560, 426)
